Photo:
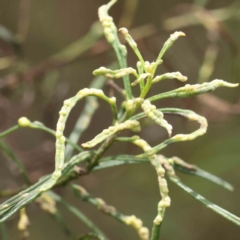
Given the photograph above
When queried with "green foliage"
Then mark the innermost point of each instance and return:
(124, 118)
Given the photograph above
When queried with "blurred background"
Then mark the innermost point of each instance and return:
(48, 50)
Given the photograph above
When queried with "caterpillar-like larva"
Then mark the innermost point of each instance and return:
(163, 187)
(129, 124)
(157, 116)
(115, 73)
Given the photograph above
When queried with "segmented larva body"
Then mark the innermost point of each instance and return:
(137, 223)
(115, 73)
(181, 137)
(156, 116)
(107, 23)
(60, 139)
(91, 91)
(201, 131)
(163, 187)
(129, 124)
(172, 75)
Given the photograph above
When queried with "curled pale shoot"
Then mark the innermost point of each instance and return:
(108, 73)
(132, 44)
(190, 115)
(129, 124)
(60, 139)
(156, 115)
(107, 21)
(192, 90)
(110, 32)
(168, 44)
(163, 187)
(172, 75)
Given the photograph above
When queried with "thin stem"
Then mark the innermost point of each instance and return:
(156, 232)
(62, 224)
(102, 149)
(18, 163)
(111, 35)
(132, 44)
(109, 210)
(193, 90)
(85, 117)
(41, 126)
(167, 45)
(94, 162)
(147, 87)
(77, 214)
(140, 67)
(123, 64)
(8, 131)
(89, 236)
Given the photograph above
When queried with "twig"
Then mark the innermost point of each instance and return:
(109, 210)
(48, 205)
(85, 117)
(111, 35)
(78, 214)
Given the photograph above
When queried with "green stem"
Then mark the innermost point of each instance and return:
(147, 87)
(123, 64)
(155, 232)
(8, 131)
(102, 149)
(77, 214)
(41, 126)
(85, 117)
(109, 210)
(140, 68)
(111, 35)
(80, 192)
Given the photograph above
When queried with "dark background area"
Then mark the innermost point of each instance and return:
(34, 84)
